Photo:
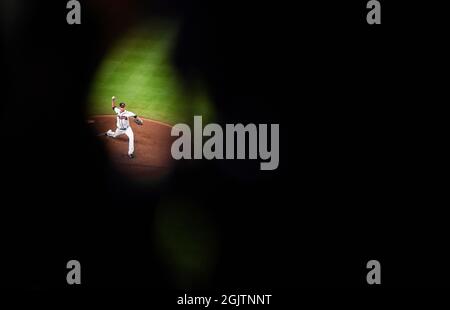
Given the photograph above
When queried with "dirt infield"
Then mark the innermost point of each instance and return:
(152, 143)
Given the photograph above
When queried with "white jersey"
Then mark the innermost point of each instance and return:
(123, 121)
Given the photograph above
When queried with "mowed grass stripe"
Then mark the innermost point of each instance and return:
(139, 73)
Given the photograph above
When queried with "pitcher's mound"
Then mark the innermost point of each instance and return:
(152, 143)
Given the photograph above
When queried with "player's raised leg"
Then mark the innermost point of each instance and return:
(114, 134)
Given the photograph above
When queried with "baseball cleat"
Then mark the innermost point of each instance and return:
(131, 155)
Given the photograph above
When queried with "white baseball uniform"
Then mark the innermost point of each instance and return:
(123, 127)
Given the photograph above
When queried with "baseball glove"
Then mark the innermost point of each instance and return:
(138, 121)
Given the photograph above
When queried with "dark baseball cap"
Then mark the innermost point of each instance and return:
(122, 105)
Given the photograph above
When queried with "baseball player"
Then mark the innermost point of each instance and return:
(123, 125)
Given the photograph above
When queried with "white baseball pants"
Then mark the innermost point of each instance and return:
(128, 132)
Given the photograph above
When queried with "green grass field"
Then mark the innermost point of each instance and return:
(138, 71)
